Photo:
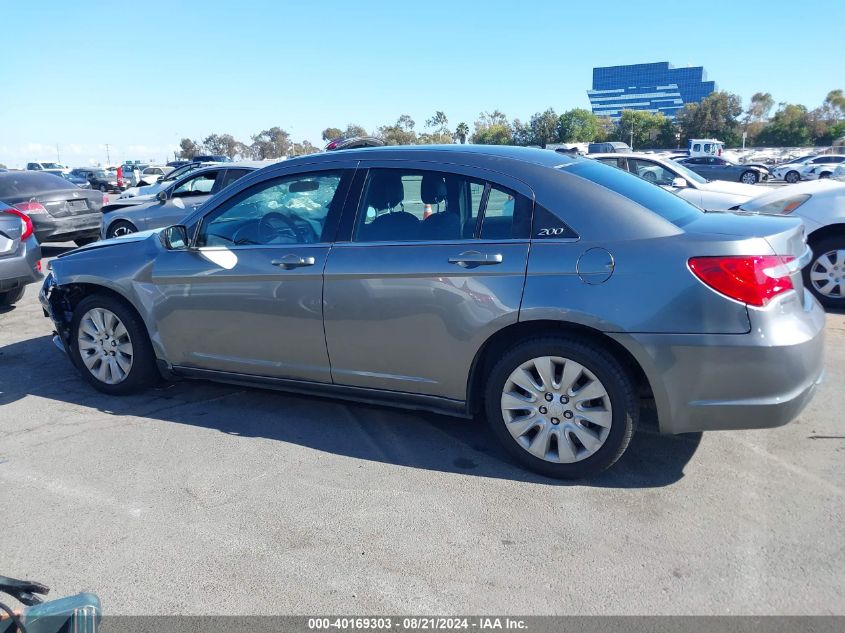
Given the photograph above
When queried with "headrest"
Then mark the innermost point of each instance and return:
(386, 190)
(432, 189)
(441, 226)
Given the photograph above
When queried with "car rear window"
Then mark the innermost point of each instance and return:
(656, 199)
(29, 183)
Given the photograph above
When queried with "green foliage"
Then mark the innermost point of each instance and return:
(304, 148)
(402, 133)
(272, 143)
(644, 129)
(353, 129)
(789, 127)
(715, 117)
(462, 132)
(331, 133)
(439, 125)
(221, 144)
(492, 128)
(188, 148)
(578, 126)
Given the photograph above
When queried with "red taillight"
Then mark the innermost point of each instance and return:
(120, 176)
(26, 223)
(38, 265)
(754, 280)
(30, 207)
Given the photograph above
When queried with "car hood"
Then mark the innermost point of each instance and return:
(725, 186)
(140, 236)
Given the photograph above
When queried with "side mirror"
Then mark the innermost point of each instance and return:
(162, 196)
(679, 183)
(175, 238)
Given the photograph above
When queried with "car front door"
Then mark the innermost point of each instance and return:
(247, 296)
(428, 264)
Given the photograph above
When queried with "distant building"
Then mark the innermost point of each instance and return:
(658, 87)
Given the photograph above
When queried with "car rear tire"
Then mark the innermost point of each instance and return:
(121, 227)
(825, 276)
(11, 297)
(110, 346)
(561, 407)
(824, 174)
(792, 177)
(749, 178)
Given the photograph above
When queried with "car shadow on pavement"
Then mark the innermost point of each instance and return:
(367, 432)
(55, 251)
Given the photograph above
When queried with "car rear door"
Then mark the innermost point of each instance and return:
(248, 298)
(428, 264)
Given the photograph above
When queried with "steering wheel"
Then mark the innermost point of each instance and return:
(268, 228)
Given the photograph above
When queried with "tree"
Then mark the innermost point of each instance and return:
(492, 128)
(401, 133)
(577, 126)
(543, 126)
(303, 149)
(272, 143)
(522, 134)
(221, 144)
(645, 129)
(714, 117)
(242, 150)
(354, 130)
(440, 126)
(462, 132)
(760, 106)
(788, 127)
(188, 149)
(331, 133)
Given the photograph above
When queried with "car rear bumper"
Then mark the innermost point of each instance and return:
(757, 380)
(21, 268)
(50, 229)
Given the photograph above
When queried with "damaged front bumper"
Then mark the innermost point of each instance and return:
(57, 309)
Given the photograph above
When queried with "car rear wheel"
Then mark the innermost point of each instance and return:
(121, 227)
(825, 276)
(824, 174)
(10, 297)
(749, 178)
(792, 177)
(110, 346)
(561, 407)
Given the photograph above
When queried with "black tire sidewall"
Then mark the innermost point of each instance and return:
(118, 224)
(143, 372)
(615, 379)
(11, 297)
(820, 247)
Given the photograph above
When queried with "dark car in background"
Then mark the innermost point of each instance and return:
(20, 255)
(77, 177)
(211, 158)
(718, 168)
(103, 180)
(552, 293)
(59, 210)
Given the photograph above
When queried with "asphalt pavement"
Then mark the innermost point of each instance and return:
(199, 498)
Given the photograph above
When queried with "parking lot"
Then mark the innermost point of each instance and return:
(199, 498)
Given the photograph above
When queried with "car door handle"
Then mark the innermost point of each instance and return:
(469, 259)
(293, 261)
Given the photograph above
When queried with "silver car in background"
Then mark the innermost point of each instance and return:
(20, 255)
(551, 293)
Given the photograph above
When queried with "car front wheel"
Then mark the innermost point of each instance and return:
(110, 346)
(825, 276)
(561, 407)
(121, 227)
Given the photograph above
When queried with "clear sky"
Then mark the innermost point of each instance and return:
(141, 75)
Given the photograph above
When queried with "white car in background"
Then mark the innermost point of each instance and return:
(791, 172)
(821, 205)
(822, 169)
(147, 192)
(152, 174)
(713, 195)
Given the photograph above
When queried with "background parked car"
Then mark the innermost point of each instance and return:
(172, 204)
(135, 195)
(59, 210)
(211, 158)
(791, 171)
(821, 205)
(77, 177)
(717, 168)
(674, 177)
(152, 174)
(46, 166)
(102, 180)
(821, 167)
(20, 255)
(608, 147)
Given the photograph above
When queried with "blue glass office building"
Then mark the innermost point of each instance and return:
(658, 87)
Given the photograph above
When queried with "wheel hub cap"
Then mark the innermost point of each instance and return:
(105, 346)
(827, 274)
(556, 409)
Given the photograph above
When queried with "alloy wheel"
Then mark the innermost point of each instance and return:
(749, 178)
(105, 346)
(827, 274)
(556, 409)
(121, 230)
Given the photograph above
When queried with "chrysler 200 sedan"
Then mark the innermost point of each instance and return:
(554, 294)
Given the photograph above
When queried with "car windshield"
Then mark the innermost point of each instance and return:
(14, 184)
(656, 199)
(100, 174)
(179, 172)
(51, 166)
(685, 172)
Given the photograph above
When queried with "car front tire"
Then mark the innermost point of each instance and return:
(121, 227)
(110, 346)
(561, 406)
(11, 297)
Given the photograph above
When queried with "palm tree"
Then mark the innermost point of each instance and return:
(462, 131)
